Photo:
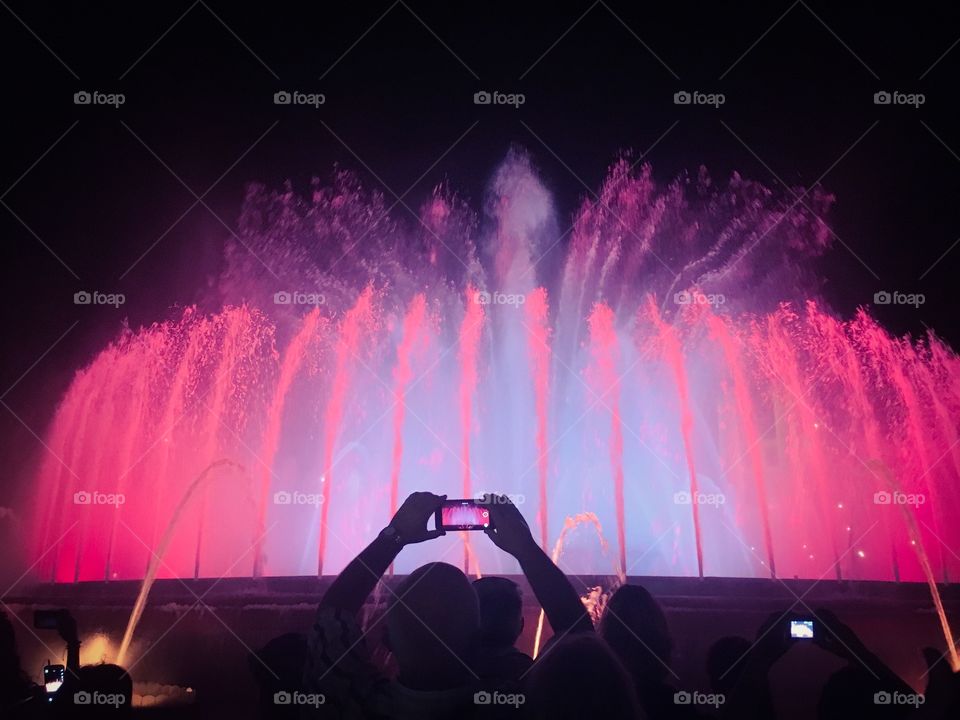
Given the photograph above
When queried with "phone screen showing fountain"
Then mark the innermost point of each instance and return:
(802, 629)
(53, 678)
(463, 515)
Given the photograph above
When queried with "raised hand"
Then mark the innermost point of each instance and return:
(773, 636)
(509, 530)
(836, 637)
(410, 521)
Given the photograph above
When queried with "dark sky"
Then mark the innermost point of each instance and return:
(88, 190)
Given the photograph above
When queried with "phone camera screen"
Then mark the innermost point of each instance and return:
(801, 629)
(464, 515)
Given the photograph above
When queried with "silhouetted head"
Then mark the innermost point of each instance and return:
(107, 689)
(278, 667)
(726, 659)
(634, 626)
(580, 677)
(501, 611)
(433, 627)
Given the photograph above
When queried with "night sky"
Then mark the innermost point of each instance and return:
(105, 198)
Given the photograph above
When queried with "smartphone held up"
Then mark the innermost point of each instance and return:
(801, 629)
(464, 514)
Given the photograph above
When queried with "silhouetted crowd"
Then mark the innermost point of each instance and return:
(72, 691)
(445, 647)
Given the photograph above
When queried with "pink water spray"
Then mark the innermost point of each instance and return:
(605, 344)
(352, 328)
(537, 308)
(413, 325)
(470, 332)
(293, 359)
(673, 354)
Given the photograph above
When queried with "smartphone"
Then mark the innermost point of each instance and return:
(47, 619)
(53, 677)
(801, 629)
(466, 514)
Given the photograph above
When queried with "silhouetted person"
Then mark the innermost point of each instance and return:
(66, 627)
(740, 669)
(102, 691)
(433, 624)
(278, 669)
(433, 627)
(849, 693)
(634, 626)
(501, 623)
(724, 665)
(19, 697)
(852, 691)
(579, 677)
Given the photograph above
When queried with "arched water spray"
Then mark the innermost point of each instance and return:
(571, 523)
(157, 557)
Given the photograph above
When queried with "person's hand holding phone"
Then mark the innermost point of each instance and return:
(509, 530)
(773, 637)
(410, 521)
(837, 638)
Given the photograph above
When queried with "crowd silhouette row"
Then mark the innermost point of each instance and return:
(445, 647)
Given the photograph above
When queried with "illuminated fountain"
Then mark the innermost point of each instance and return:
(668, 366)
